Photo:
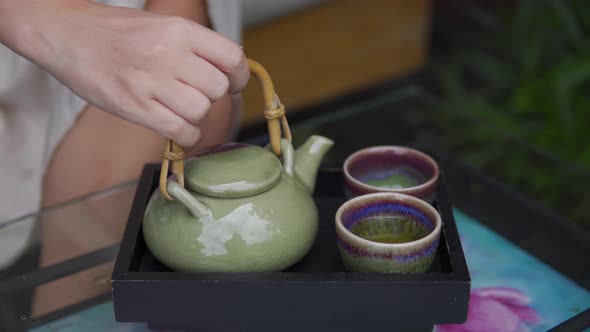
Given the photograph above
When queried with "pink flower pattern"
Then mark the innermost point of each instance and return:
(496, 309)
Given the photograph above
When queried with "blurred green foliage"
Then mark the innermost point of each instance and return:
(524, 70)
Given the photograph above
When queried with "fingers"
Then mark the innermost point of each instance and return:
(184, 100)
(202, 76)
(165, 121)
(223, 54)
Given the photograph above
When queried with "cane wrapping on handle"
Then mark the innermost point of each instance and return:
(274, 112)
(173, 153)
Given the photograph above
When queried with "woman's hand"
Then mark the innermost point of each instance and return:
(161, 72)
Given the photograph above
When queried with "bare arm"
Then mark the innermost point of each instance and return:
(88, 160)
(160, 71)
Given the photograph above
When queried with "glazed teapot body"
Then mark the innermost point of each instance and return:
(239, 212)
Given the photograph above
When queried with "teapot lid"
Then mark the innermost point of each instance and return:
(233, 170)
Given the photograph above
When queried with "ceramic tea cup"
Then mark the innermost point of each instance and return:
(387, 233)
(394, 169)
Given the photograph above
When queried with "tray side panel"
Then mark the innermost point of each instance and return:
(144, 190)
(295, 304)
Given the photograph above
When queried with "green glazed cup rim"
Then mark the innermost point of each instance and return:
(419, 204)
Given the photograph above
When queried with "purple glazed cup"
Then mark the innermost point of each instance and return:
(366, 224)
(409, 171)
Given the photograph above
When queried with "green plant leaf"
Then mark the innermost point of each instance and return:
(569, 22)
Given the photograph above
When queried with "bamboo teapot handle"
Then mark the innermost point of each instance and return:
(274, 112)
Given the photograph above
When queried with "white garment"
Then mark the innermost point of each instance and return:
(36, 111)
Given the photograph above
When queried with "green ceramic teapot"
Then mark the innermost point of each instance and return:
(243, 209)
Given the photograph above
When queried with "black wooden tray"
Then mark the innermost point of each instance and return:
(316, 294)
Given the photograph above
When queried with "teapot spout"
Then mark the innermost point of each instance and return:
(308, 158)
